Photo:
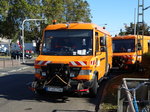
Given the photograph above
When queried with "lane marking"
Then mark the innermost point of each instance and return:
(7, 73)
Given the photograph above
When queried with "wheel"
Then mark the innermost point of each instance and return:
(93, 89)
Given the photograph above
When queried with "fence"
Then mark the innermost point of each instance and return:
(5, 62)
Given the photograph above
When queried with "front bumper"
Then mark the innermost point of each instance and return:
(73, 86)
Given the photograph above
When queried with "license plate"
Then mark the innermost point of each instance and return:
(54, 89)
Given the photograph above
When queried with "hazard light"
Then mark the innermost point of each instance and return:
(54, 21)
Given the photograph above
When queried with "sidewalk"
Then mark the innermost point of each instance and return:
(8, 66)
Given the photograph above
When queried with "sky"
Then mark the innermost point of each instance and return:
(116, 13)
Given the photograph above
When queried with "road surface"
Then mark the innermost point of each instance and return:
(16, 97)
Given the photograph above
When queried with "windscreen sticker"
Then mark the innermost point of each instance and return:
(81, 52)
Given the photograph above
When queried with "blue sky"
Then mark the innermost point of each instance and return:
(116, 13)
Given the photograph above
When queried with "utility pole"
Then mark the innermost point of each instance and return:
(22, 37)
(140, 27)
(140, 18)
(140, 22)
(135, 21)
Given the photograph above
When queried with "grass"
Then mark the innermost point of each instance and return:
(108, 106)
(4, 56)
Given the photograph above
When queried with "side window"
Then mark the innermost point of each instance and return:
(97, 42)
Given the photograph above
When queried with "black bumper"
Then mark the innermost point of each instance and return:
(74, 86)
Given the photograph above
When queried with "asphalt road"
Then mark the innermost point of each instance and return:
(16, 97)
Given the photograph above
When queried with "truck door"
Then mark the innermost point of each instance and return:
(100, 56)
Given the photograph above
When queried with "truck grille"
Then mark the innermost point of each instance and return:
(57, 74)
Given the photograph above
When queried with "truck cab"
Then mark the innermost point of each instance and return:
(128, 51)
(74, 57)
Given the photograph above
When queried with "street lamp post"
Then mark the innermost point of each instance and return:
(146, 8)
(22, 37)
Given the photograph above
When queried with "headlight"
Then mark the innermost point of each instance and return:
(84, 72)
(80, 72)
(43, 74)
(37, 70)
(74, 71)
(72, 74)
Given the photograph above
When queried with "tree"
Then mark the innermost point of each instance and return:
(17, 11)
(52, 9)
(66, 10)
(76, 10)
(129, 30)
(82, 11)
(4, 7)
(13, 12)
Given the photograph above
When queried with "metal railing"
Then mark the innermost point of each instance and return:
(8, 62)
(124, 97)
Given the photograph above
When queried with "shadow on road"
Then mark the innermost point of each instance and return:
(71, 111)
(28, 64)
(14, 87)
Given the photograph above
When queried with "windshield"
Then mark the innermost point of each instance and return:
(124, 45)
(67, 42)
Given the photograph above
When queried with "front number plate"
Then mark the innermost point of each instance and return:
(54, 89)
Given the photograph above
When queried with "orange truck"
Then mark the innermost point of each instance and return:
(74, 57)
(128, 51)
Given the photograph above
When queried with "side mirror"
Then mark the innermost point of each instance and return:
(139, 46)
(103, 49)
(102, 41)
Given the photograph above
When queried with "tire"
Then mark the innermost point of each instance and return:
(93, 89)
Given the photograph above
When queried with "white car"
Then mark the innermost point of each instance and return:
(3, 50)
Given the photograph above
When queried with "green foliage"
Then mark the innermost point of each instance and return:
(13, 12)
(52, 9)
(129, 30)
(77, 10)
(4, 6)
(17, 11)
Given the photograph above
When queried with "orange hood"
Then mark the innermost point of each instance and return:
(43, 60)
